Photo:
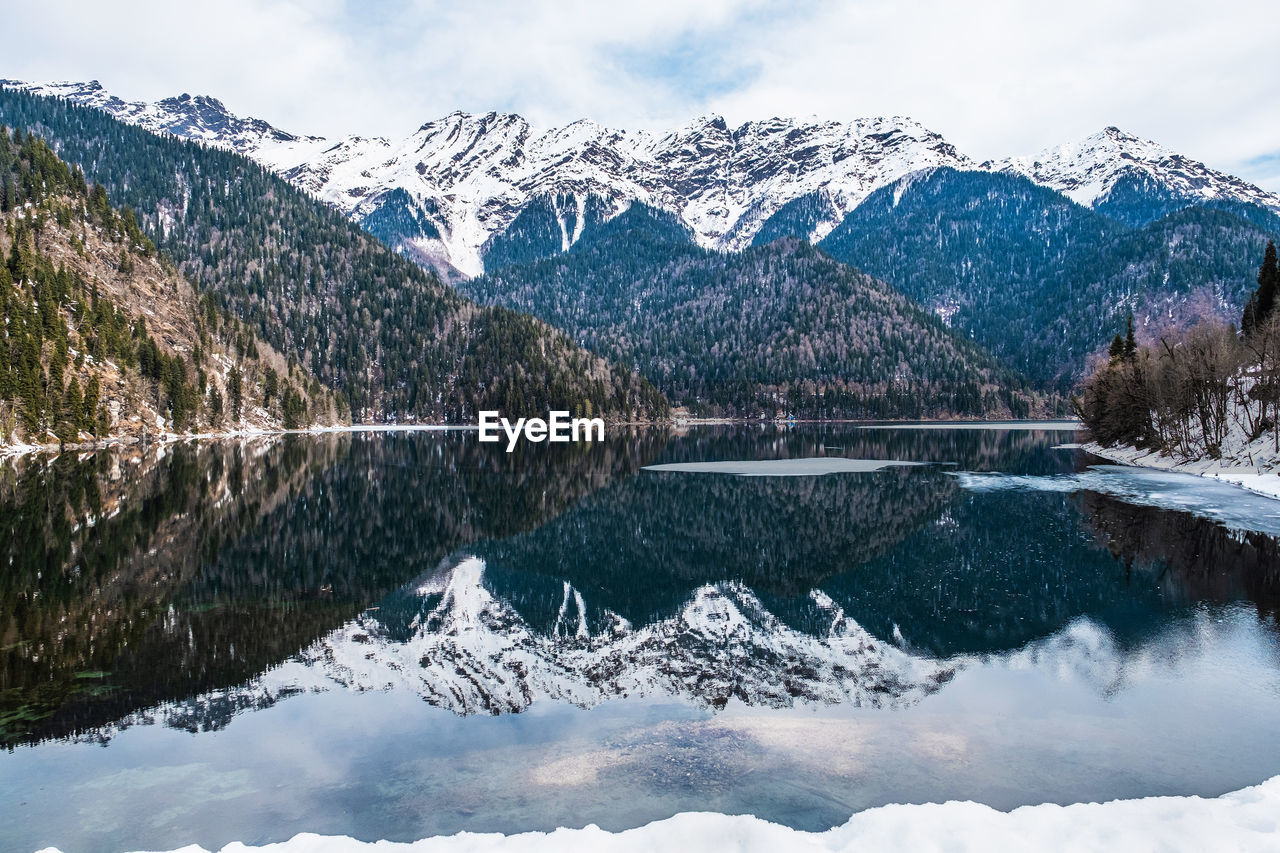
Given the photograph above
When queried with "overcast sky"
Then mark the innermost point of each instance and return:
(996, 77)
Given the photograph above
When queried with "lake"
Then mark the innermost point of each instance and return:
(402, 634)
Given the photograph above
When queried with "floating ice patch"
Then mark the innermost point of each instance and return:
(997, 482)
(1055, 426)
(809, 467)
(1225, 503)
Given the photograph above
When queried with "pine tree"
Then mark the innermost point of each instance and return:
(1268, 281)
(215, 407)
(72, 411)
(92, 390)
(1130, 342)
(270, 386)
(1117, 349)
(235, 388)
(29, 390)
(1249, 319)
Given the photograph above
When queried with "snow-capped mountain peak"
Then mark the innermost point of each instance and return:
(199, 117)
(465, 177)
(1086, 171)
(445, 193)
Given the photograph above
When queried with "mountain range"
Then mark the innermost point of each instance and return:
(781, 326)
(1035, 260)
(448, 190)
(396, 341)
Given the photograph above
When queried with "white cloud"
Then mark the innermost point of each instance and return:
(997, 77)
(1011, 77)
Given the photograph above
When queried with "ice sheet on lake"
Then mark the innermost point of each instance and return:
(1245, 820)
(808, 467)
(1055, 426)
(1228, 504)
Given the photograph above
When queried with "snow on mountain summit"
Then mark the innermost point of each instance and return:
(474, 174)
(467, 176)
(447, 191)
(199, 117)
(1086, 171)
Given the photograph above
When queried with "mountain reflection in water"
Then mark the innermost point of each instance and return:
(192, 582)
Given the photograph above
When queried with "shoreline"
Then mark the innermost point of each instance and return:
(18, 449)
(1259, 475)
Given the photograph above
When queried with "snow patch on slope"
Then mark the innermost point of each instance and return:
(1087, 170)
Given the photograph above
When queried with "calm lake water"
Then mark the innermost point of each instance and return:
(395, 635)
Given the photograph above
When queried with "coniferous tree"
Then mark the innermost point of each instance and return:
(215, 407)
(72, 411)
(1249, 318)
(92, 390)
(1268, 281)
(1262, 301)
(1116, 352)
(270, 385)
(235, 388)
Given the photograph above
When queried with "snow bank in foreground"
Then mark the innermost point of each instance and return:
(1245, 820)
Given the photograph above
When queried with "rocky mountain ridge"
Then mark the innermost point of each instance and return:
(445, 193)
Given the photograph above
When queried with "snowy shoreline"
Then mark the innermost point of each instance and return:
(1258, 473)
(1245, 820)
(22, 449)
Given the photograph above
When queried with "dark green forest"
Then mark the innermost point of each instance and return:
(396, 341)
(79, 282)
(781, 326)
(1033, 276)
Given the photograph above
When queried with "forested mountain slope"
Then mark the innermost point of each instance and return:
(103, 338)
(781, 326)
(1028, 256)
(397, 342)
(1032, 275)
